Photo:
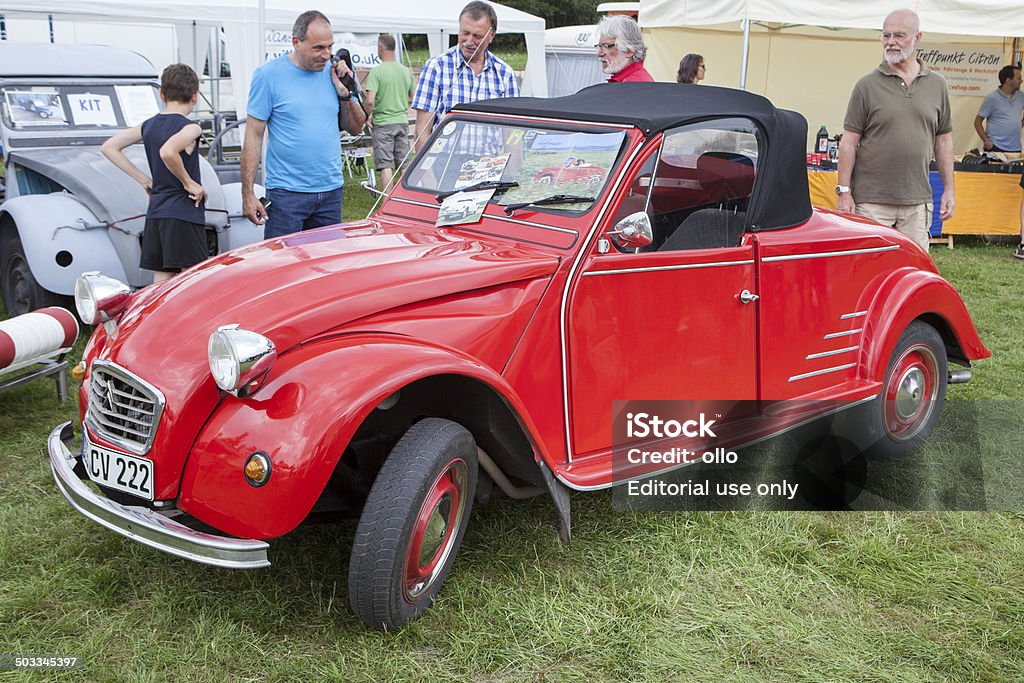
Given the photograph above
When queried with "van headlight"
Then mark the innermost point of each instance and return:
(99, 298)
(240, 359)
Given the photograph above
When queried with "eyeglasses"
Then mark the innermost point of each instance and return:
(604, 46)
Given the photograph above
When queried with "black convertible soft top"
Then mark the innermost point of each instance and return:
(780, 199)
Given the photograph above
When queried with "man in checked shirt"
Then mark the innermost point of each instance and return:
(465, 73)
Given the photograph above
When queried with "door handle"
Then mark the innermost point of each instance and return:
(747, 297)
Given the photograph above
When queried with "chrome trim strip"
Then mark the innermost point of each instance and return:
(144, 525)
(414, 202)
(711, 264)
(563, 313)
(857, 314)
(844, 333)
(831, 353)
(506, 219)
(129, 378)
(748, 444)
(821, 372)
(829, 254)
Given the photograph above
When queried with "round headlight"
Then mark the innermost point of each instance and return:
(99, 298)
(239, 357)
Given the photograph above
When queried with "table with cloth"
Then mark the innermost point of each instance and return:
(986, 203)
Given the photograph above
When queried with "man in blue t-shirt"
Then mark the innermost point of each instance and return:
(1003, 112)
(297, 99)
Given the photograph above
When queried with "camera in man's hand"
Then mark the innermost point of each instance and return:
(342, 55)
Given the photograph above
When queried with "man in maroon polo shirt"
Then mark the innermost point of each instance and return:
(621, 49)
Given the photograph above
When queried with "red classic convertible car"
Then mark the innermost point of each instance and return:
(573, 170)
(395, 370)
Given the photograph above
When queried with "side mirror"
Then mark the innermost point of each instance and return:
(633, 231)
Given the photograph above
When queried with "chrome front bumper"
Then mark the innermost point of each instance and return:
(144, 525)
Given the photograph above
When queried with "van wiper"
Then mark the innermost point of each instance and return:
(553, 199)
(485, 185)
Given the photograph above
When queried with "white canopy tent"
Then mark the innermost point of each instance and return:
(571, 62)
(243, 22)
(958, 17)
(806, 55)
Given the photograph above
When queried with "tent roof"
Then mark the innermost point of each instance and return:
(958, 17)
(410, 16)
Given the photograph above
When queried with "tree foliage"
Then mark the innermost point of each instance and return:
(558, 12)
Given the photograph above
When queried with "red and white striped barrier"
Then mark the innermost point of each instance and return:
(35, 336)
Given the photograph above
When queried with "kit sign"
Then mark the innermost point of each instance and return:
(968, 69)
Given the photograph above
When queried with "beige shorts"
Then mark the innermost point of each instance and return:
(913, 220)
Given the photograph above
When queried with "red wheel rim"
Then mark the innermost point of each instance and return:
(433, 533)
(910, 392)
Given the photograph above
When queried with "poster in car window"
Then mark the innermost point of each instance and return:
(35, 107)
(91, 109)
(138, 103)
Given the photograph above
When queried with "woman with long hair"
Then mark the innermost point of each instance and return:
(691, 69)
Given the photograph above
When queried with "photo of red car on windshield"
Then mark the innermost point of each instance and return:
(574, 170)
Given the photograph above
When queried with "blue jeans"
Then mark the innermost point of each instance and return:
(294, 211)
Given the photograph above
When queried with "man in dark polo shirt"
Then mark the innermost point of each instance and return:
(898, 116)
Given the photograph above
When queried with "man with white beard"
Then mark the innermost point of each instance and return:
(621, 49)
(897, 118)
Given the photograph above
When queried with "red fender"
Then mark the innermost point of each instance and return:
(303, 418)
(908, 294)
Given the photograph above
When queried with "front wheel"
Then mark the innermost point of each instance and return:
(21, 292)
(902, 418)
(412, 524)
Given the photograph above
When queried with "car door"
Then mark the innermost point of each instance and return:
(676, 320)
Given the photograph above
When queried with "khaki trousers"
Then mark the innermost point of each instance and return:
(912, 220)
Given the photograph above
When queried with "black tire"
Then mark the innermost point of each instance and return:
(902, 418)
(425, 487)
(21, 292)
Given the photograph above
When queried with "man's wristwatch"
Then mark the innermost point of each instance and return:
(840, 189)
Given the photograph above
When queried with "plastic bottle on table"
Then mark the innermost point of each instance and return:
(821, 145)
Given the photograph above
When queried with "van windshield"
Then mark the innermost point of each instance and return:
(77, 107)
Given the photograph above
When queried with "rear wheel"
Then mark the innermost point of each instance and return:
(21, 292)
(412, 524)
(903, 417)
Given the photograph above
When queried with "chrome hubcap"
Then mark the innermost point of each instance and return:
(910, 393)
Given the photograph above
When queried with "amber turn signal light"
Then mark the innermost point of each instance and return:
(257, 469)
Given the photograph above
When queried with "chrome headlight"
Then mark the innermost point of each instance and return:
(239, 358)
(99, 298)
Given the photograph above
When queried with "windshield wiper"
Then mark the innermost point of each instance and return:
(553, 199)
(485, 185)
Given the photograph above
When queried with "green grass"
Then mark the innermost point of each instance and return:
(883, 596)
(516, 59)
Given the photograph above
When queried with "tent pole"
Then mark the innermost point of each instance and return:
(746, 54)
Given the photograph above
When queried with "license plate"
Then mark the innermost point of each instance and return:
(119, 471)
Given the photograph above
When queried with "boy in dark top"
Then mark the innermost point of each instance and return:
(174, 237)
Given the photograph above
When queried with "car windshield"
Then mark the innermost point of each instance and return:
(77, 107)
(524, 164)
